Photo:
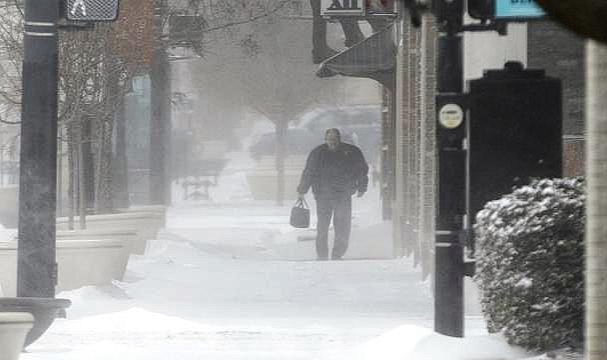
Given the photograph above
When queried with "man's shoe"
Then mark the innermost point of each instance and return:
(336, 258)
(322, 258)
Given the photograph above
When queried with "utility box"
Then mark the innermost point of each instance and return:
(515, 131)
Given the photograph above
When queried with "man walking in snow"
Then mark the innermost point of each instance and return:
(335, 171)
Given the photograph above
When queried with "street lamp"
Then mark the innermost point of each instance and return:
(37, 270)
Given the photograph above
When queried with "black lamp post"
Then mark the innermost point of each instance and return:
(451, 156)
(36, 253)
(36, 264)
(37, 268)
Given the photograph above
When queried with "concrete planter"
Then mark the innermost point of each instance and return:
(9, 212)
(44, 311)
(159, 210)
(8, 268)
(14, 327)
(81, 263)
(145, 223)
(128, 236)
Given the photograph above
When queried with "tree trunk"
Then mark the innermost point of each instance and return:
(596, 208)
(104, 203)
(281, 138)
(119, 163)
(87, 163)
(84, 176)
(71, 182)
(105, 130)
(161, 117)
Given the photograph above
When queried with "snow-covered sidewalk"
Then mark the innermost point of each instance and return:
(229, 279)
(226, 282)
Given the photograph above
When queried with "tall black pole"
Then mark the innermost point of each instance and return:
(36, 267)
(449, 270)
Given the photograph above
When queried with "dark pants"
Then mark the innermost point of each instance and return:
(341, 211)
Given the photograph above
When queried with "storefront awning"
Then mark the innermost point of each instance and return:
(374, 57)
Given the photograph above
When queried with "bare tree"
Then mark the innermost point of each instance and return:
(92, 80)
(271, 74)
(11, 50)
(92, 85)
(280, 83)
(256, 56)
(95, 73)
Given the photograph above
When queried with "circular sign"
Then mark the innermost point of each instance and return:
(450, 116)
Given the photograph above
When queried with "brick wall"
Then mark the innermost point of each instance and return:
(561, 54)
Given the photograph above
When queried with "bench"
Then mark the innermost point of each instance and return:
(203, 175)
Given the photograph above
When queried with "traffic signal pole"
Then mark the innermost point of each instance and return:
(451, 152)
(36, 264)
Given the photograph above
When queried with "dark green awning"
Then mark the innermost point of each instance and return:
(374, 57)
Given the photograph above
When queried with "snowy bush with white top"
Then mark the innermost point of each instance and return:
(529, 257)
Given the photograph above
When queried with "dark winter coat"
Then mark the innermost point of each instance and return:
(333, 174)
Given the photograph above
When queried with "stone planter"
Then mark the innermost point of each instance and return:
(128, 236)
(8, 268)
(159, 210)
(90, 262)
(9, 212)
(81, 263)
(145, 223)
(44, 311)
(14, 327)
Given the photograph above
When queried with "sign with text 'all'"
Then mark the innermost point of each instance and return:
(91, 10)
(342, 7)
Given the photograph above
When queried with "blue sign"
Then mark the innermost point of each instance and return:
(517, 9)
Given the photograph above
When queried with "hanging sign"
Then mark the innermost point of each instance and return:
(518, 9)
(342, 7)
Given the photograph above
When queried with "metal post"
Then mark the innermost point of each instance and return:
(36, 268)
(449, 304)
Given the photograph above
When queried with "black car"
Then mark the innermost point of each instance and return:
(298, 142)
(359, 125)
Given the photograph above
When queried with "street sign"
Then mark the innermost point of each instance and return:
(518, 10)
(450, 115)
(342, 7)
(91, 10)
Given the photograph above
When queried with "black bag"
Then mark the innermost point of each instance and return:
(300, 214)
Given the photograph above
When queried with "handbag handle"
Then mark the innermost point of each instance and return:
(301, 202)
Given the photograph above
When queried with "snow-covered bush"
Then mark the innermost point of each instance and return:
(530, 256)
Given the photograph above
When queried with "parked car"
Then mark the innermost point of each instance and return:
(298, 142)
(358, 124)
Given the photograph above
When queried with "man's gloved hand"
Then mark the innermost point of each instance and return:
(360, 193)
